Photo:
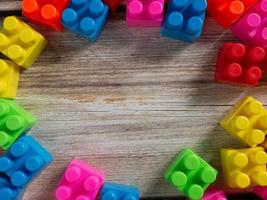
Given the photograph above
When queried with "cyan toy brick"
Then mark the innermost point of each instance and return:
(243, 168)
(80, 181)
(261, 192)
(214, 194)
(9, 79)
(116, 191)
(86, 18)
(145, 13)
(252, 28)
(247, 121)
(184, 19)
(14, 122)
(19, 42)
(24, 161)
(8, 191)
(190, 174)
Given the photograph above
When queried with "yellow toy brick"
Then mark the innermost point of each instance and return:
(20, 42)
(247, 121)
(243, 168)
(9, 79)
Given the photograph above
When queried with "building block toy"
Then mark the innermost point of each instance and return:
(184, 19)
(24, 161)
(14, 122)
(190, 174)
(80, 181)
(45, 12)
(261, 192)
(252, 28)
(240, 64)
(19, 42)
(243, 168)
(113, 4)
(227, 12)
(145, 13)
(9, 79)
(119, 192)
(86, 18)
(214, 194)
(247, 121)
(8, 191)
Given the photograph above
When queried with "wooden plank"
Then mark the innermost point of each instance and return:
(10, 5)
(128, 103)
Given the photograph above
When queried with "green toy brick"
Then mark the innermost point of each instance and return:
(190, 174)
(14, 122)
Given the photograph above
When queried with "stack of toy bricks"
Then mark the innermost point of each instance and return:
(23, 158)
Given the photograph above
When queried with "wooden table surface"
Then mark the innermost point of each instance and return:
(128, 103)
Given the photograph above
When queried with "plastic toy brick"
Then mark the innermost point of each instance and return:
(252, 28)
(261, 192)
(113, 4)
(238, 64)
(9, 79)
(14, 122)
(214, 194)
(80, 181)
(247, 121)
(8, 191)
(20, 42)
(24, 161)
(243, 168)
(119, 192)
(45, 12)
(227, 12)
(145, 13)
(190, 174)
(184, 19)
(86, 18)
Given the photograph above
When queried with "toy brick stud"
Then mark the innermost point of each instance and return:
(8, 191)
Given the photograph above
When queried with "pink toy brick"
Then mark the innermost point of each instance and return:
(214, 194)
(261, 192)
(79, 182)
(145, 13)
(252, 28)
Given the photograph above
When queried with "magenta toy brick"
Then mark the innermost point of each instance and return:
(145, 13)
(79, 182)
(252, 28)
(214, 194)
(261, 192)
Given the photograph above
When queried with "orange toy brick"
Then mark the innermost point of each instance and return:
(45, 12)
(9, 79)
(19, 42)
(243, 168)
(227, 12)
(247, 121)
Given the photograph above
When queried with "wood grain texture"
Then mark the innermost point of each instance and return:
(10, 5)
(128, 103)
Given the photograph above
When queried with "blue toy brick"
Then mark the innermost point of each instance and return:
(114, 191)
(8, 191)
(24, 161)
(86, 18)
(184, 19)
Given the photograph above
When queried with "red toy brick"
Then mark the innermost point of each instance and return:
(45, 12)
(240, 64)
(113, 4)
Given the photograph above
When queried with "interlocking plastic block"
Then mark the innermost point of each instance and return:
(184, 19)
(145, 13)
(113, 4)
(9, 79)
(243, 168)
(45, 12)
(190, 174)
(227, 12)
(86, 18)
(247, 121)
(8, 191)
(261, 192)
(20, 42)
(24, 161)
(238, 64)
(14, 122)
(80, 181)
(214, 194)
(252, 28)
(116, 191)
